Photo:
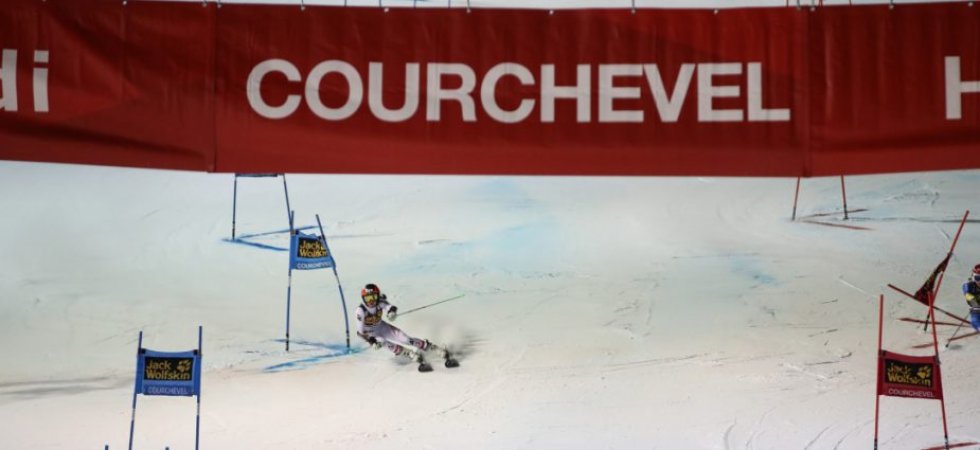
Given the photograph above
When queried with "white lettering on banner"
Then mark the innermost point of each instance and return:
(580, 92)
(488, 91)
(436, 93)
(8, 76)
(668, 105)
(669, 108)
(40, 81)
(895, 392)
(756, 112)
(376, 88)
(707, 91)
(956, 87)
(355, 90)
(8, 80)
(608, 92)
(253, 89)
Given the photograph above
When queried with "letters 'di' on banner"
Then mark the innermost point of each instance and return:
(168, 373)
(307, 252)
(909, 376)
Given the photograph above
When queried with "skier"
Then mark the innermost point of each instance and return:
(971, 290)
(372, 328)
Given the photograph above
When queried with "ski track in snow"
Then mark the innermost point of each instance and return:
(944, 234)
(757, 430)
(816, 438)
(29, 390)
(656, 361)
(841, 279)
(852, 431)
(498, 378)
(727, 437)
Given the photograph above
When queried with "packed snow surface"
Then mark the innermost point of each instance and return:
(587, 313)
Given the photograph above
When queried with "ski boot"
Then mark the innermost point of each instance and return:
(446, 354)
(417, 357)
(450, 360)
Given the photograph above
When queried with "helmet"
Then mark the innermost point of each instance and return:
(370, 294)
(976, 273)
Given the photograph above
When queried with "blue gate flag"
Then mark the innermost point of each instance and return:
(308, 252)
(168, 373)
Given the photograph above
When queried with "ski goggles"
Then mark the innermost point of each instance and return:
(370, 298)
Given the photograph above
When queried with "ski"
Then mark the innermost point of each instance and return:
(910, 319)
(954, 316)
(957, 445)
(955, 338)
(834, 213)
(947, 313)
(839, 225)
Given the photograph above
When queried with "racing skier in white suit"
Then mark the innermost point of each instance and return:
(372, 328)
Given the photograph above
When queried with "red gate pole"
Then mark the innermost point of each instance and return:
(939, 282)
(881, 316)
(951, 248)
(796, 197)
(935, 347)
(843, 193)
(935, 341)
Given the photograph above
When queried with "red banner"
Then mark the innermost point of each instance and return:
(909, 376)
(261, 88)
(929, 287)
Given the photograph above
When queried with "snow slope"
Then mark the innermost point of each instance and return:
(622, 313)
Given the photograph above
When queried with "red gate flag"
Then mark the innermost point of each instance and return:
(922, 295)
(276, 88)
(909, 376)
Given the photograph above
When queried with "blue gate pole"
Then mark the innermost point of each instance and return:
(343, 302)
(132, 420)
(289, 294)
(200, 356)
(234, 206)
(289, 288)
(289, 211)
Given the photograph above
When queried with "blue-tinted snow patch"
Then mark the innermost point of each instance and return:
(333, 351)
(499, 190)
(529, 246)
(525, 246)
(749, 267)
(527, 239)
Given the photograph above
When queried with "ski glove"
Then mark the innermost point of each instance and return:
(392, 313)
(373, 342)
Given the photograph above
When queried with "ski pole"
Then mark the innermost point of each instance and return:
(431, 304)
(954, 334)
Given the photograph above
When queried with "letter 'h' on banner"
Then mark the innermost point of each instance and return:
(909, 376)
(171, 374)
